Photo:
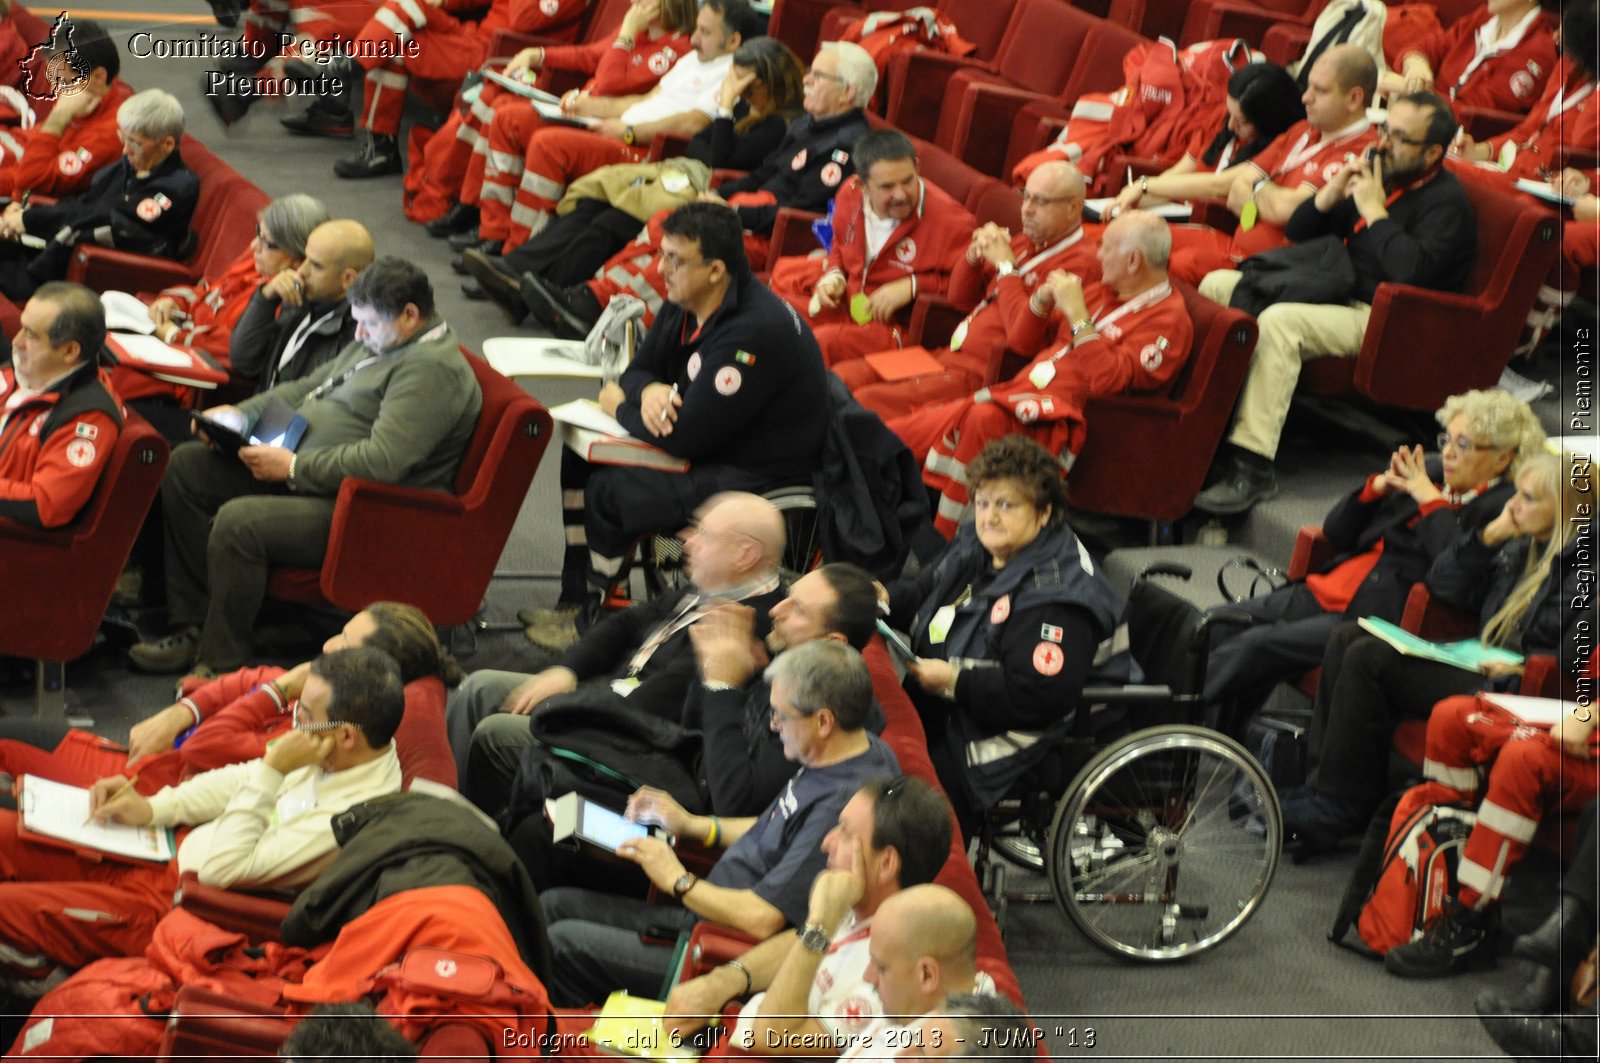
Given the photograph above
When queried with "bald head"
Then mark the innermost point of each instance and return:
(940, 922)
(336, 251)
(737, 538)
(923, 948)
(1340, 88)
(1354, 68)
(1052, 203)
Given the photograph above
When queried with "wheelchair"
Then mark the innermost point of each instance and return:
(1166, 838)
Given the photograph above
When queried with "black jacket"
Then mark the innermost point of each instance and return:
(262, 333)
(147, 215)
(1429, 239)
(1477, 578)
(1410, 543)
(752, 382)
(406, 840)
(805, 171)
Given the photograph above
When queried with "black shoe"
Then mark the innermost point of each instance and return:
(322, 119)
(1239, 490)
(226, 12)
(570, 312)
(472, 291)
(1457, 940)
(338, 67)
(1533, 995)
(229, 107)
(1561, 939)
(1542, 1036)
(497, 281)
(458, 219)
(1314, 822)
(465, 238)
(378, 156)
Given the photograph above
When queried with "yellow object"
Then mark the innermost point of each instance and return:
(860, 309)
(631, 1026)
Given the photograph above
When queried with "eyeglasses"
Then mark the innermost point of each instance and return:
(822, 75)
(1004, 505)
(303, 723)
(266, 241)
(1029, 199)
(778, 716)
(1400, 138)
(672, 262)
(1462, 444)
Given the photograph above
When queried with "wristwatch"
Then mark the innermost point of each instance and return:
(684, 884)
(1080, 326)
(627, 134)
(815, 939)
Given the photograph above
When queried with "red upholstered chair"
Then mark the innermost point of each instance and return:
(980, 112)
(1209, 20)
(66, 575)
(1413, 355)
(803, 24)
(436, 551)
(1039, 37)
(1146, 455)
(224, 222)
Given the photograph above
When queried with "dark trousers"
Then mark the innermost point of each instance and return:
(1367, 688)
(575, 246)
(224, 531)
(1289, 634)
(606, 508)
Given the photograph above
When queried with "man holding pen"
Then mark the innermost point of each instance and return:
(728, 377)
(264, 823)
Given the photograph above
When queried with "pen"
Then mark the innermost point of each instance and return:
(124, 788)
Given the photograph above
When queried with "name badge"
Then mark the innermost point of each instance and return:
(624, 687)
(1041, 375)
(939, 625)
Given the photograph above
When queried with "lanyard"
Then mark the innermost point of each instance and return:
(1561, 104)
(302, 330)
(1304, 148)
(1021, 270)
(1487, 49)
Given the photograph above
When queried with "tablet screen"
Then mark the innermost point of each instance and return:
(606, 828)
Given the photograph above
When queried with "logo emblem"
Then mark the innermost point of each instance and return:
(1522, 84)
(799, 160)
(1000, 609)
(693, 367)
(550, 7)
(54, 69)
(728, 380)
(1048, 658)
(906, 250)
(447, 968)
(660, 63)
(1027, 410)
(80, 452)
(1150, 357)
(148, 210)
(832, 174)
(69, 163)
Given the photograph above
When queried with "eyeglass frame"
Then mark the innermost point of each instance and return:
(815, 74)
(1464, 445)
(1038, 200)
(671, 262)
(266, 244)
(316, 727)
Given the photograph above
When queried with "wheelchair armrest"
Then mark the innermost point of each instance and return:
(1166, 568)
(1128, 694)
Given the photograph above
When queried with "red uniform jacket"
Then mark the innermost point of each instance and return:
(619, 71)
(1300, 156)
(926, 246)
(1002, 316)
(53, 446)
(1511, 78)
(63, 166)
(1565, 120)
(1140, 344)
(524, 16)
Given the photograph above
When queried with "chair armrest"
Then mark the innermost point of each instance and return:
(916, 84)
(258, 916)
(105, 269)
(1434, 620)
(791, 234)
(933, 319)
(1481, 123)
(1312, 551)
(1391, 369)
(1541, 677)
(1236, 18)
(667, 146)
(712, 945)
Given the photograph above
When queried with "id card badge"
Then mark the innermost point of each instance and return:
(860, 309)
(1041, 375)
(674, 181)
(1508, 155)
(939, 624)
(1247, 216)
(298, 801)
(624, 686)
(959, 336)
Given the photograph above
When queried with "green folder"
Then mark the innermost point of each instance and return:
(1465, 653)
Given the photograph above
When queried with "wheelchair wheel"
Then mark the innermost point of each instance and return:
(802, 525)
(1165, 843)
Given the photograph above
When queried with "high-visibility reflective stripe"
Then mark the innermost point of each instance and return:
(605, 566)
(951, 510)
(1480, 878)
(529, 218)
(1465, 779)
(1506, 822)
(537, 184)
(413, 10)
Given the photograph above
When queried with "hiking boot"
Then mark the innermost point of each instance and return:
(175, 653)
(325, 118)
(460, 218)
(1561, 940)
(1457, 940)
(1244, 485)
(473, 292)
(1529, 996)
(129, 591)
(378, 156)
(338, 67)
(569, 312)
(496, 280)
(469, 238)
(551, 629)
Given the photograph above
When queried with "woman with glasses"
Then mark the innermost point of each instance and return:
(1518, 573)
(1005, 625)
(1386, 535)
(203, 315)
(230, 719)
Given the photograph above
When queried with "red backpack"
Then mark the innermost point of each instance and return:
(1401, 884)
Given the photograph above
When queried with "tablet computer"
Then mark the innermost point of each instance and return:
(575, 816)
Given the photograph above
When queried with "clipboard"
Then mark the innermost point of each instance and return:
(56, 814)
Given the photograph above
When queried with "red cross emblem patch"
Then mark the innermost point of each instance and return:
(1048, 658)
(728, 380)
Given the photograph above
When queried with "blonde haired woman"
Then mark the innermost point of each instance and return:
(1515, 573)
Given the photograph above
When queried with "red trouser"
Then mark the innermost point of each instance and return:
(902, 397)
(473, 138)
(445, 50)
(497, 166)
(269, 21)
(636, 271)
(57, 907)
(555, 156)
(1529, 776)
(841, 339)
(83, 758)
